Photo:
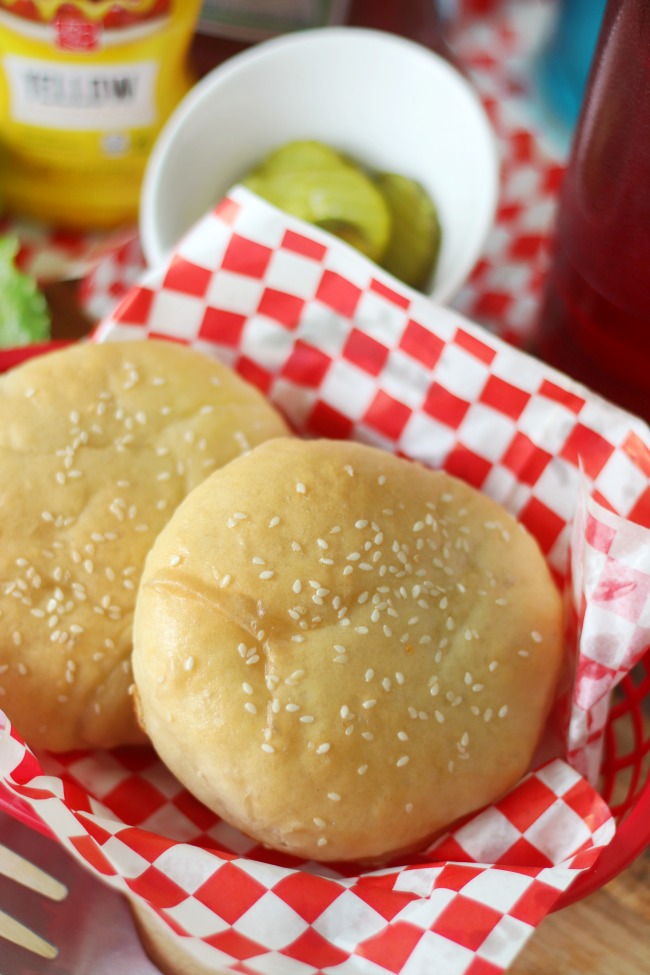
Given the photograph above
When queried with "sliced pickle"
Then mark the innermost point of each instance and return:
(388, 217)
(414, 243)
(298, 157)
(341, 200)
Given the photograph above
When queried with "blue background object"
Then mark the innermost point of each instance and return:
(564, 65)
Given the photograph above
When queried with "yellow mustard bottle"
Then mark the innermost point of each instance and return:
(85, 87)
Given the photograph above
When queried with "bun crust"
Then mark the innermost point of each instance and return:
(341, 652)
(98, 445)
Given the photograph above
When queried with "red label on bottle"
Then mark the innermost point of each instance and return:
(73, 33)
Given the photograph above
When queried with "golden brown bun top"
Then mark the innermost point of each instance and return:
(340, 651)
(98, 445)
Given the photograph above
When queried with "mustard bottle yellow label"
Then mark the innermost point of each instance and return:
(85, 87)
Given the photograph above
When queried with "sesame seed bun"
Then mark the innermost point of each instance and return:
(98, 445)
(341, 652)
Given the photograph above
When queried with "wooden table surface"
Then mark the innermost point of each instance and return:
(608, 933)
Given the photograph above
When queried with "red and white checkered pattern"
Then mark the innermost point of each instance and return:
(346, 351)
(499, 52)
(465, 907)
(53, 254)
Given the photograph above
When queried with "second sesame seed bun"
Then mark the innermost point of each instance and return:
(98, 445)
(341, 652)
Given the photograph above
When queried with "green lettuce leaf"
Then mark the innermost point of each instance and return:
(24, 315)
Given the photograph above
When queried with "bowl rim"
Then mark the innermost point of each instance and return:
(157, 252)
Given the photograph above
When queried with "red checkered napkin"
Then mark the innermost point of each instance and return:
(347, 351)
(53, 254)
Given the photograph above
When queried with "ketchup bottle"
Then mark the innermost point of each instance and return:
(595, 313)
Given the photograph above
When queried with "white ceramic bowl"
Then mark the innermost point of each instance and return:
(390, 103)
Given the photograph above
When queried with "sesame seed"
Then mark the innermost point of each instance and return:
(246, 687)
(189, 663)
(402, 736)
(362, 769)
(324, 748)
(306, 719)
(321, 841)
(267, 748)
(370, 703)
(523, 653)
(399, 677)
(403, 760)
(274, 521)
(250, 707)
(367, 735)
(334, 796)
(536, 637)
(267, 574)
(291, 707)
(503, 711)
(300, 488)
(369, 674)
(175, 560)
(439, 716)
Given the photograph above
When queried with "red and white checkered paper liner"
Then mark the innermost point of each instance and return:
(346, 351)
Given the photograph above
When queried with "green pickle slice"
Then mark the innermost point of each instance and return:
(341, 200)
(388, 217)
(297, 157)
(414, 243)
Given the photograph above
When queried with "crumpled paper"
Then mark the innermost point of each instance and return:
(346, 351)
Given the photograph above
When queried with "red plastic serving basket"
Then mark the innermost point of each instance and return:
(624, 775)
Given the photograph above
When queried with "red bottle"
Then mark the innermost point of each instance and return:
(595, 314)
